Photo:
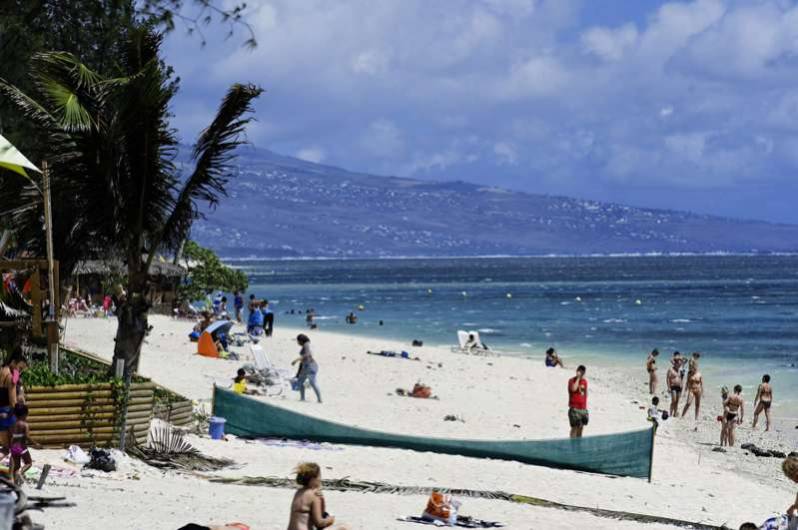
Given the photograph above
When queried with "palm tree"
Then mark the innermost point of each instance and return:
(117, 191)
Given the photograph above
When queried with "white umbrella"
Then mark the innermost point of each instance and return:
(11, 158)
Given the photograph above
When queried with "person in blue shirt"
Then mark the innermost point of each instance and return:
(217, 303)
(255, 321)
(238, 304)
(268, 318)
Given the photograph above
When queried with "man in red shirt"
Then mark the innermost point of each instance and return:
(577, 402)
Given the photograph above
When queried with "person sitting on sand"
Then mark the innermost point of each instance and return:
(205, 321)
(308, 369)
(308, 505)
(695, 388)
(653, 412)
(762, 401)
(240, 382)
(674, 381)
(651, 368)
(552, 359)
(578, 415)
(733, 409)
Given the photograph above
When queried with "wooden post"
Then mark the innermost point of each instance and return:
(651, 456)
(36, 301)
(52, 323)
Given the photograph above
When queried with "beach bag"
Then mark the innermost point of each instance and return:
(421, 391)
(295, 384)
(441, 507)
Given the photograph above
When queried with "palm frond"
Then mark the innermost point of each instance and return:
(213, 153)
(28, 106)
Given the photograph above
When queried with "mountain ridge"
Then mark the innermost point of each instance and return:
(279, 206)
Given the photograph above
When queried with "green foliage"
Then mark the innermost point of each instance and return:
(75, 370)
(206, 273)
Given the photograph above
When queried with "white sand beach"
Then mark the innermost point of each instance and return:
(499, 398)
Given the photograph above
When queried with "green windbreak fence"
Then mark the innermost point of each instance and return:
(624, 454)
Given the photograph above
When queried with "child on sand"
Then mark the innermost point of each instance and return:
(653, 412)
(20, 438)
(240, 382)
(307, 507)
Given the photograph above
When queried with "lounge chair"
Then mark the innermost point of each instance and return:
(462, 339)
(266, 368)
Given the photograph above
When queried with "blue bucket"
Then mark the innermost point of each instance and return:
(216, 428)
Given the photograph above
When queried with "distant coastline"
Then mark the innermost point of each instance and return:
(233, 259)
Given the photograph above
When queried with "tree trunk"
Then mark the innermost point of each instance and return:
(132, 310)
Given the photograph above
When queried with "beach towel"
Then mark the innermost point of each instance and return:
(462, 522)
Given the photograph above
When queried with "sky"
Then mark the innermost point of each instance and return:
(669, 104)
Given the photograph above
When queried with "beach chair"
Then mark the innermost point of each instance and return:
(265, 366)
(462, 339)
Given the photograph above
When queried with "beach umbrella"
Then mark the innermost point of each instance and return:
(220, 326)
(11, 158)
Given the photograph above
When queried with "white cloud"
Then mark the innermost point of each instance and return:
(689, 146)
(506, 153)
(535, 77)
(610, 44)
(382, 138)
(311, 154)
(370, 62)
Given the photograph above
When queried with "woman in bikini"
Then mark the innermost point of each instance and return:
(762, 401)
(695, 388)
(733, 413)
(307, 508)
(651, 368)
(10, 375)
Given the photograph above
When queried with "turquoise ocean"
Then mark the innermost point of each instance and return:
(740, 312)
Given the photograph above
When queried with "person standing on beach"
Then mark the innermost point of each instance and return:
(762, 401)
(695, 387)
(238, 305)
(268, 318)
(578, 415)
(733, 409)
(308, 369)
(674, 381)
(651, 368)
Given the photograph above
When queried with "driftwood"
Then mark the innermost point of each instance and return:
(344, 484)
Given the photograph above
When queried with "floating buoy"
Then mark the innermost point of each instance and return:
(578, 299)
(639, 302)
(429, 291)
(509, 295)
(361, 307)
(465, 293)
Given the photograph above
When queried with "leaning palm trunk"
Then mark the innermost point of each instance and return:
(117, 191)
